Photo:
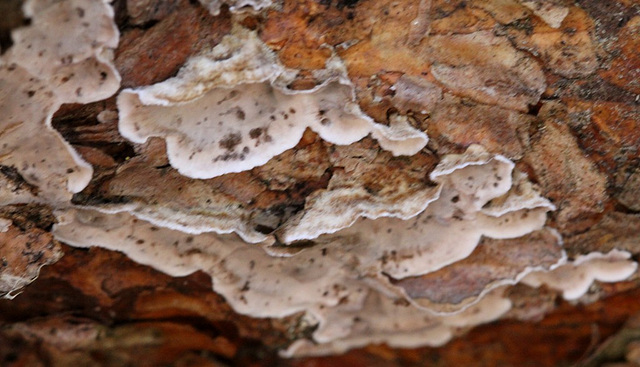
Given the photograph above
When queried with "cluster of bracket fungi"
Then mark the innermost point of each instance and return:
(363, 265)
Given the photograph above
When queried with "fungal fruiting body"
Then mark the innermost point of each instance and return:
(353, 269)
(46, 67)
(43, 69)
(224, 114)
(393, 243)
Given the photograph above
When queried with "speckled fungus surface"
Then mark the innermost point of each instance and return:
(43, 69)
(46, 67)
(351, 271)
(575, 277)
(231, 110)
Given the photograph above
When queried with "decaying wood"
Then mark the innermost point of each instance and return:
(432, 60)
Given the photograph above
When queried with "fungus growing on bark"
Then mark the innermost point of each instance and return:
(29, 144)
(574, 278)
(383, 241)
(380, 319)
(369, 184)
(450, 227)
(230, 110)
(350, 274)
(46, 67)
(235, 5)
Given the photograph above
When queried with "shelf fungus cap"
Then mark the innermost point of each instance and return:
(230, 110)
(345, 282)
(574, 278)
(451, 226)
(252, 281)
(68, 46)
(385, 320)
(63, 56)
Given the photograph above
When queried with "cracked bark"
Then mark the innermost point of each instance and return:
(579, 142)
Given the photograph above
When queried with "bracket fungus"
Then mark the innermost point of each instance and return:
(42, 70)
(351, 273)
(574, 278)
(383, 320)
(495, 263)
(296, 202)
(46, 67)
(230, 110)
(351, 192)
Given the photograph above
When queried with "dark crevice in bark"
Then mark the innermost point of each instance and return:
(12, 18)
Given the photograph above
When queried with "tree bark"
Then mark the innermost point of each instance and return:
(578, 142)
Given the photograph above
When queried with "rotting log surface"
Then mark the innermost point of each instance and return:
(579, 143)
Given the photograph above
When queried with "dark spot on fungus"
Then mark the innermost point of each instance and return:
(245, 287)
(255, 133)
(325, 121)
(240, 114)
(230, 141)
(455, 199)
